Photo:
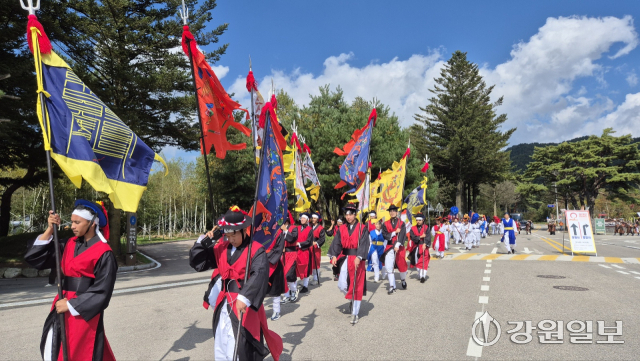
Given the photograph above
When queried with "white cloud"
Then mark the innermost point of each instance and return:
(537, 82)
(401, 84)
(624, 119)
(632, 79)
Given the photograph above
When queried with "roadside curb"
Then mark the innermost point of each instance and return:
(149, 266)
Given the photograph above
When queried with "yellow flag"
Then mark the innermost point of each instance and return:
(391, 183)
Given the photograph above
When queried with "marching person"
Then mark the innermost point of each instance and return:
(277, 280)
(446, 231)
(468, 233)
(457, 230)
(330, 232)
(475, 224)
(394, 232)
(351, 244)
(230, 295)
(373, 219)
(492, 227)
(509, 234)
(528, 226)
(438, 240)
(483, 226)
(421, 241)
(89, 269)
(303, 236)
(318, 241)
(376, 248)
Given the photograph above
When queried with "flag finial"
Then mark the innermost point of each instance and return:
(250, 63)
(32, 9)
(184, 13)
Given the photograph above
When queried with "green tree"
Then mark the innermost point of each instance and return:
(582, 170)
(460, 130)
(128, 53)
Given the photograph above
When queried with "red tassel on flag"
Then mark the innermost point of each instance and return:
(251, 82)
(43, 40)
(425, 168)
(274, 101)
(407, 153)
(374, 115)
(306, 149)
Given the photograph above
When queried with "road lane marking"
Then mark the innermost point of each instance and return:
(483, 299)
(115, 292)
(634, 272)
(494, 250)
(473, 349)
(605, 266)
(616, 266)
(623, 272)
(486, 279)
(484, 288)
(487, 271)
(488, 265)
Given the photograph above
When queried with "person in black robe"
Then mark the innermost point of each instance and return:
(330, 232)
(277, 281)
(230, 296)
(301, 270)
(319, 235)
(93, 294)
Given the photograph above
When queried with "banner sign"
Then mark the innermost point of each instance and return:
(580, 232)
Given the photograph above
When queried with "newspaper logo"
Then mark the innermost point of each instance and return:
(482, 330)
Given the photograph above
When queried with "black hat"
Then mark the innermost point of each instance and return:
(373, 214)
(419, 215)
(392, 207)
(350, 209)
(235, 219)
(305, 214)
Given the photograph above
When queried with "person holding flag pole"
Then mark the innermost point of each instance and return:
(74, 329)
(351, 240)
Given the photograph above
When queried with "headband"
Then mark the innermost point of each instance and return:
(83, 213)
(315, 216)
(304, 216)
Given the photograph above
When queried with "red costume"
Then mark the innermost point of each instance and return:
(401, 261)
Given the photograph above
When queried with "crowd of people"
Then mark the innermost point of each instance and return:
(245, 272)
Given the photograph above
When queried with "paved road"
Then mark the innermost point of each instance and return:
(157, 314)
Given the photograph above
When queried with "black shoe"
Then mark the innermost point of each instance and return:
(404, 284)
(391, 291)
(513, 251)
(304, 290)
(422, 280)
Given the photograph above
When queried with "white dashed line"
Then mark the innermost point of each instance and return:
(487, 271)
(634, 272)
(483, 299)
(603, 265)
(494, 250)
(484, 288)
(488, 265)
(473, 349)
(616, 266)
(486, 279)
(623, 272)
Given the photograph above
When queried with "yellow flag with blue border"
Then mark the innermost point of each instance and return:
(86, 139)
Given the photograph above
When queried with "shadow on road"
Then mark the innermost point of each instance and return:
(295, 338)
(190, 339)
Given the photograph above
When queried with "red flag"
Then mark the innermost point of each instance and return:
(216, 106)
(356, 135)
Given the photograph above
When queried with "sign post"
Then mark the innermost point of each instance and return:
(132, 238)
(600, 227)
(580, 232)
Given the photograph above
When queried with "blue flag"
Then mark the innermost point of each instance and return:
(272, 188)
(354, 168)
(86, 139)
(416, 200)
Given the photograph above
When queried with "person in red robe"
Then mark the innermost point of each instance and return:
(231, 296)
(89, 269)
(351, 242)
(302, 236)
(420, 243)
(318, 242)
(438, 240)
(394, 256)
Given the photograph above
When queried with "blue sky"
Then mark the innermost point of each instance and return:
(565, 68)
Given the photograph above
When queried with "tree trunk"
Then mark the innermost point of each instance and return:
(495, 205)
(459, 190)
(474, 188)
(114, 228)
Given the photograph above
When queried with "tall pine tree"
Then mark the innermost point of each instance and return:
(461, 131)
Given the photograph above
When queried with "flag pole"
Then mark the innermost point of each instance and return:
(184, 14)
(254, 129)
(252, 229)
(56, 243)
